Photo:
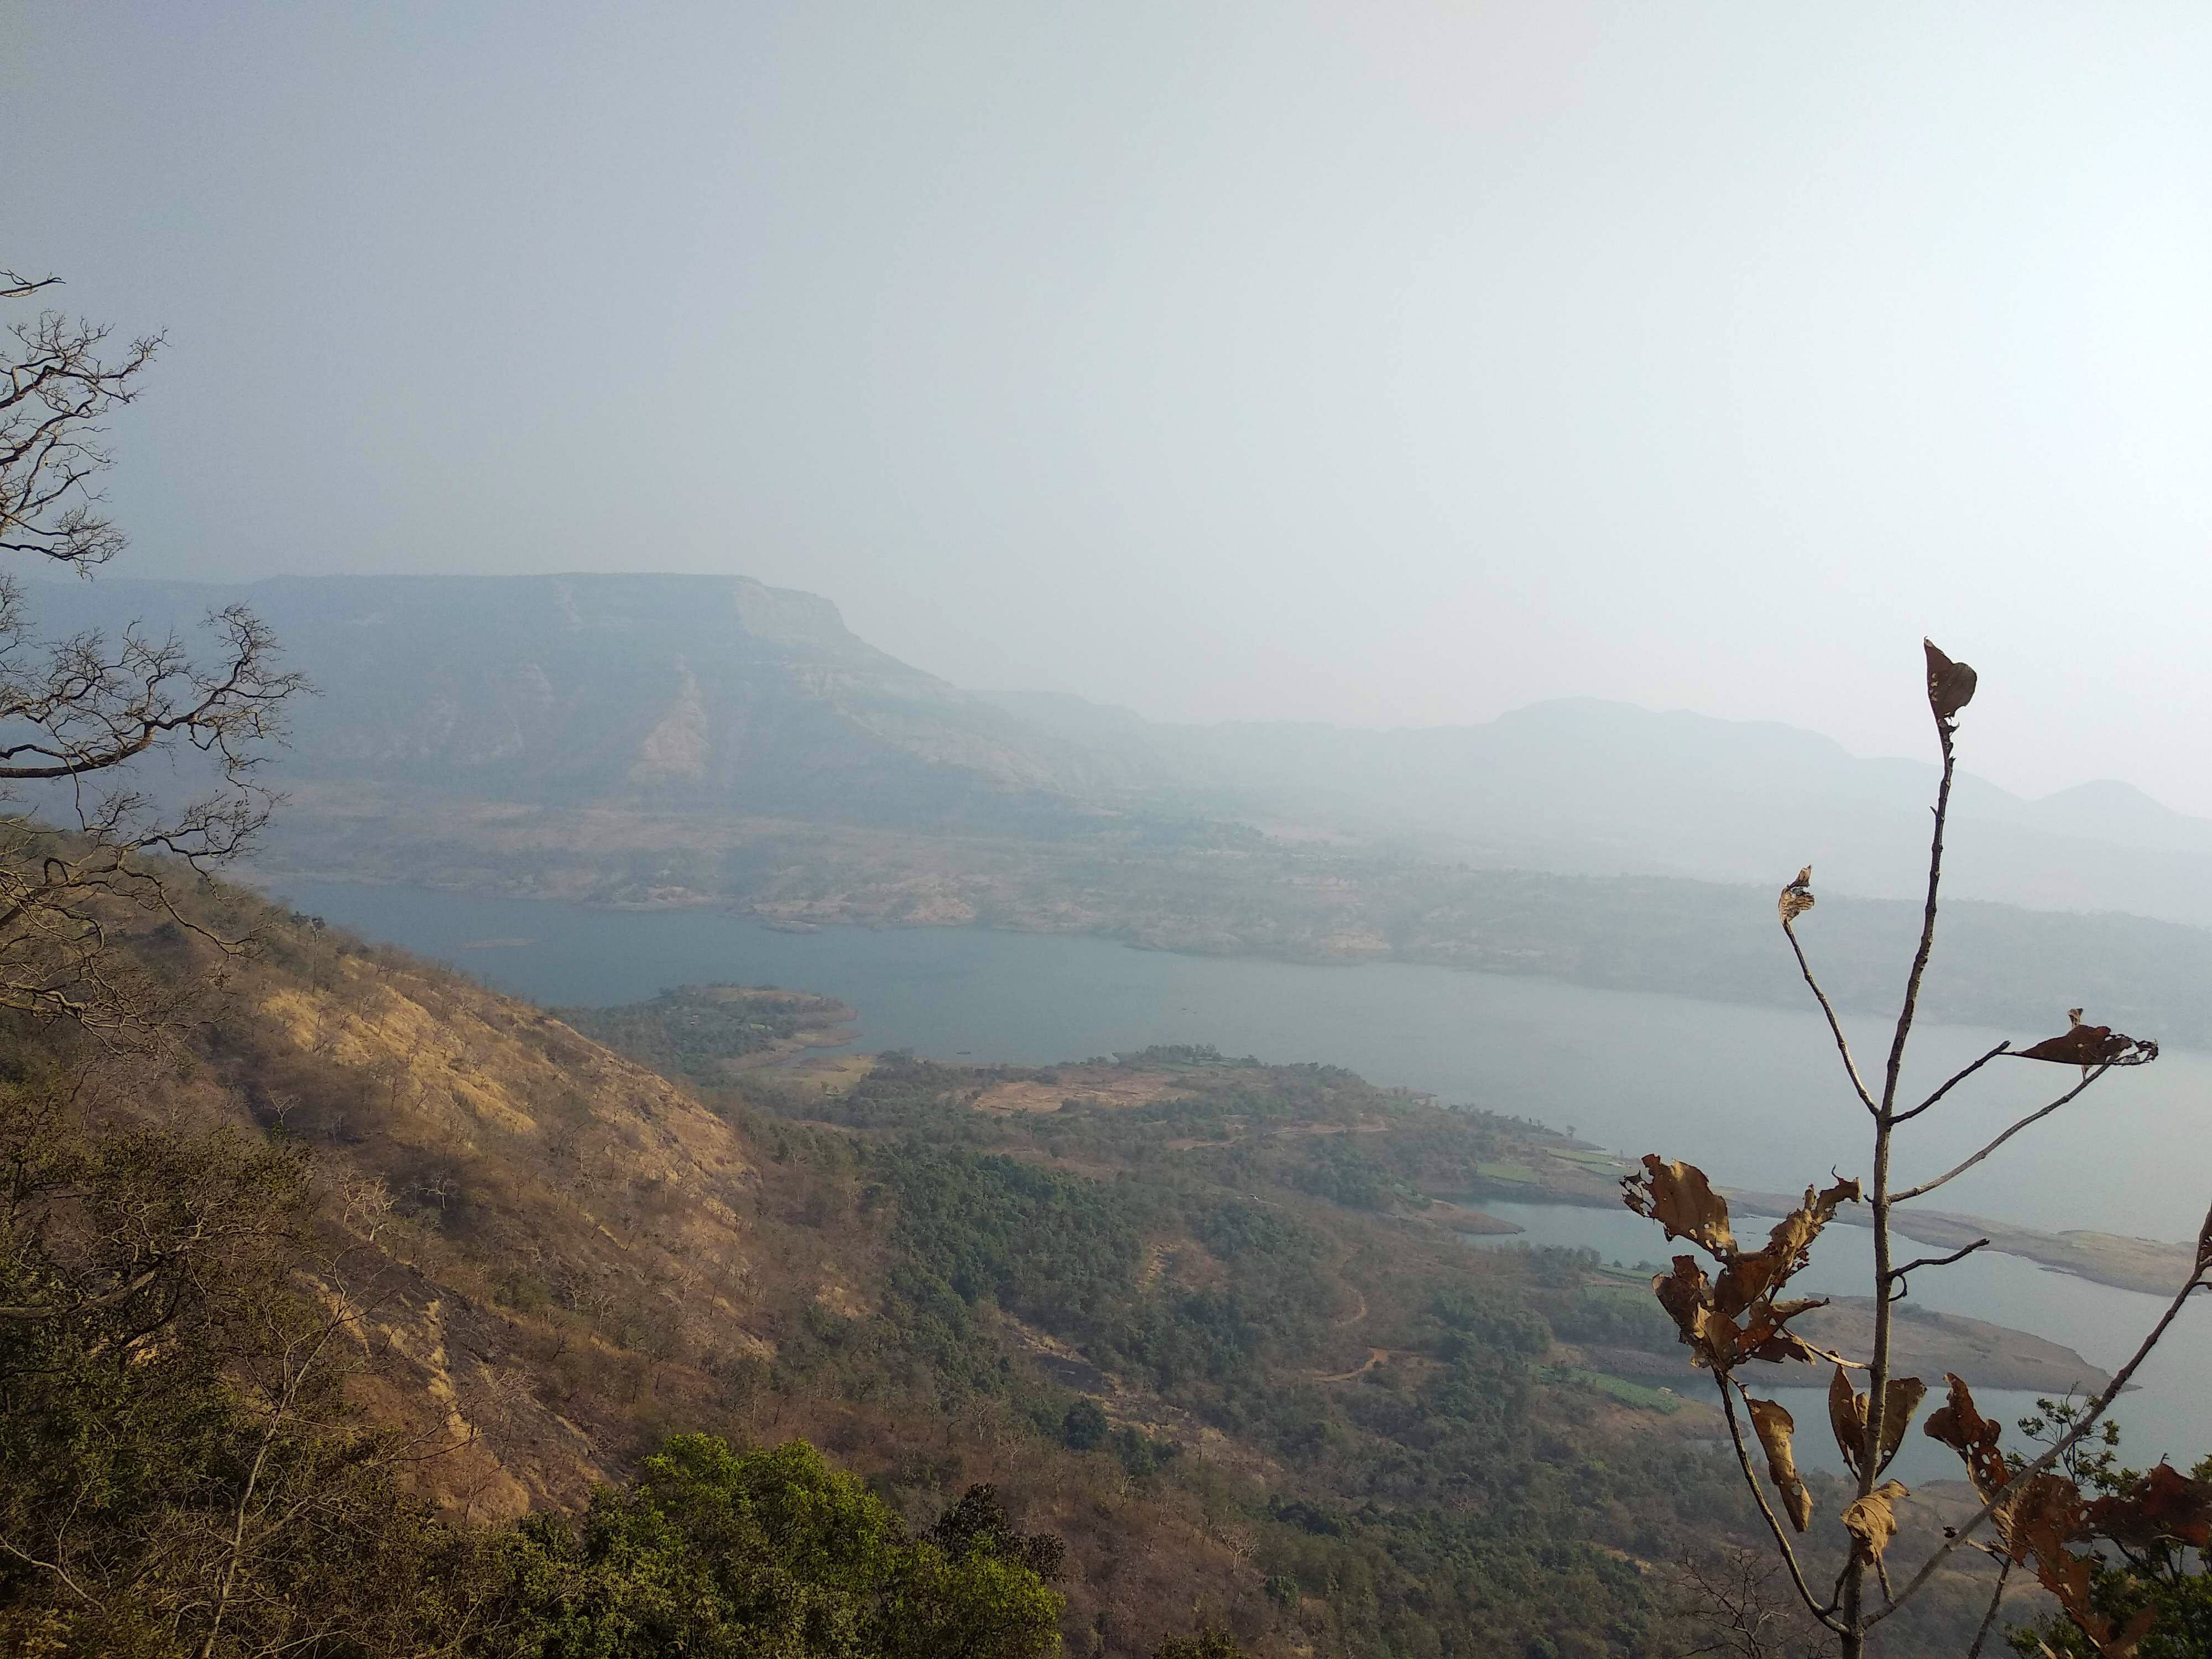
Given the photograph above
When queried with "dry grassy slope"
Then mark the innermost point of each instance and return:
(480, 1153)
(566, 1256)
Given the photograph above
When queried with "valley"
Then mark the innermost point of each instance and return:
(878, 1087)
(1195, 1316)
(965, 832)
(674, 741)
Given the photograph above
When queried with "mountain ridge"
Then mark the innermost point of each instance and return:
(655, 715)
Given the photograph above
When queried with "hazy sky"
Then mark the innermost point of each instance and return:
(1392, 364)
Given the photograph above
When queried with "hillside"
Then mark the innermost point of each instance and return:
(683, 693)
(1194, 1316)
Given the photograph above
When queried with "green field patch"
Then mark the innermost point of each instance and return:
(1641, 1396)
(1519, 1172)
(1622, 1284)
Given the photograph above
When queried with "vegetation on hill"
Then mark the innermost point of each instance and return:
(184, 1473)
(695, 1032)
(1236, 1366)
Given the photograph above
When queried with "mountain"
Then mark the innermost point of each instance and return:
(685, 693)
(1589, 787)
(717, 695)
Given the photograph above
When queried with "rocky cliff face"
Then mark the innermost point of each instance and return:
(684, 692)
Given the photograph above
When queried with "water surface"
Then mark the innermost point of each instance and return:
(1753, 1094)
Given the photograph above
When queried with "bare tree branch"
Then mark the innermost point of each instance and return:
(1896, 1289)
(1739, 1315)
(2036, 1116)
(1953, 1081)
(76, 713)
(1989, 1619)
(1835, 1027)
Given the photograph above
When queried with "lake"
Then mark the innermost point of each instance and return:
(1753, 1094)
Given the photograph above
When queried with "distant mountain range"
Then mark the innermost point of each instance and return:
(1597, 788)
(705, 699)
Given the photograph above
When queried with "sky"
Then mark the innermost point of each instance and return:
(1381, 363)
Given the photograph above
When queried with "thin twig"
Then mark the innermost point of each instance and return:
(2032, 1117)
(1825, 1615)
(1989, 1619)
(1835, 1027)
(1955, 1078)
(55, 1568)
(2059, 1447)
(1896, 1275)
(1927, 928)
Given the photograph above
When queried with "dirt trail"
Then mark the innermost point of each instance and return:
(1360, 1312)
(1375, 1357)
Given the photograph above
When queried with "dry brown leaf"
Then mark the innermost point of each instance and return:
(2085, 1045)
(1686, 1296)
(1797, 897)
(1843, 1419)
(1848, 1410)
(1901, 1398)
(1774, 1313)
(1680, 1199)
(1872, 1520)
(2165, 1504)
(2124, 1645)
(1973, 1436)
(1774, 1425)
(2038, 1519)
(2042, 1511)
(1706, 1314)
(1757, 1273)
(1950, 684)
(1765, 1339)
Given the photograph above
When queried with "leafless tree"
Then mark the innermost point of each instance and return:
(2037, 1513)
(90, 846)
(1733, 1604)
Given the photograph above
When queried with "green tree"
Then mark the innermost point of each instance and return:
(1084, 1427)
(2157, 1566)
(178, 1474)
(1207, 1644)
(770, 1553)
